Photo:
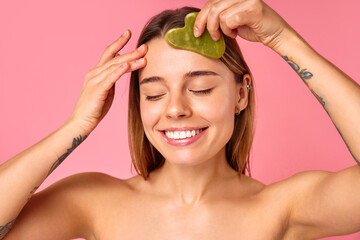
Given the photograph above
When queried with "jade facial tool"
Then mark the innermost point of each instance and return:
(184, 38)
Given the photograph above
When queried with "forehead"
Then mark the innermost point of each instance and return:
(166, 61)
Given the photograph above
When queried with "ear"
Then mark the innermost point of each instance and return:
(242, 92)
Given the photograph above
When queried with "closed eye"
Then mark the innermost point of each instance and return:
(206, 91)
(151, 98)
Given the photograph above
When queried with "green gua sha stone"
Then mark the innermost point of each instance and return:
(184, 38)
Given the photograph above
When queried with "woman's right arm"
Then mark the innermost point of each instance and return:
(21, 175)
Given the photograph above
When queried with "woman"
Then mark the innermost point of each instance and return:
(194, 188)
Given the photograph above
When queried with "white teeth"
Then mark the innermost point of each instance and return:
(188, 134)
(176, 135)
(182, 134)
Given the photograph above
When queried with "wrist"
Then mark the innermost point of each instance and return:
(77, 127)
(289, 42)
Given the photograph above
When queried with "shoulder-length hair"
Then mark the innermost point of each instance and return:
(145, 157)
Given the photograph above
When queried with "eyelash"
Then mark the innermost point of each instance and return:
(205, 92)
(151, 98)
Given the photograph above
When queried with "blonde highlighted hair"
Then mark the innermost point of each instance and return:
(145, 157)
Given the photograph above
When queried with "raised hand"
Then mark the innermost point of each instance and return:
(252, 20)
(99, 86)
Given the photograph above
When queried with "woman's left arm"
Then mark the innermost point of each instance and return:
(337, 92)
(321, 203)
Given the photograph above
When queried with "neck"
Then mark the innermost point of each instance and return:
(191, 185)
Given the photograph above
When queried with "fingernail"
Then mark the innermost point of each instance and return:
(196, 32)
(140, 60)
(141, 48)
(215, 36)
(123, 65)
(125, 33)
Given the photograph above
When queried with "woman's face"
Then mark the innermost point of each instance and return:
(183, 93)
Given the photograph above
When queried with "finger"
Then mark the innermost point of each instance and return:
(214, 20)
(238, 15)
(226, 30)
(109, 76)
(92, 72)
(117, 70)
(128, 57)
(137, 64)
(201, 19)
(111, 50)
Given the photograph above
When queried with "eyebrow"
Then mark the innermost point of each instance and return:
(190, 74)
(200, 73)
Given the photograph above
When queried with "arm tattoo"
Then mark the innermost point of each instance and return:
(32, 192)
(320, 99)
(76, 142)
(304, 74)
(6, 228)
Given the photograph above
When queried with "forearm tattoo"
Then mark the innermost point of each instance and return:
(76, 142)
(6, 228)
(32, 192)
(305, 75)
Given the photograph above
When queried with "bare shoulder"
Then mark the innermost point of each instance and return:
(288, 193)
(86, 190)
(83, 184)
(298, 182)
(96, 186)
(287, 190)
(65, 209)
(97, 180)
(253, 184)
(97, 195)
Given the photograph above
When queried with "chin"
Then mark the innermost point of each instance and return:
(185, 161)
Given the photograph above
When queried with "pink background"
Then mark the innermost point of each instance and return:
(46, 48)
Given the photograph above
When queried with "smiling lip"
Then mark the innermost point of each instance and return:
(182, 129)
(184, 141)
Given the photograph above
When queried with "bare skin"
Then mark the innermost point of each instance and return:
(195, 195)
(236, 209)
(135, 209)
(111, 208)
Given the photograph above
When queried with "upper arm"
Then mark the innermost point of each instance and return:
(325, 203)
(61, 211)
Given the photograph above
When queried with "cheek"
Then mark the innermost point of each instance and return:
(217, 108)
(150, 114)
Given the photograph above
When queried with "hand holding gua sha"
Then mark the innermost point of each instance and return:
(184, 38)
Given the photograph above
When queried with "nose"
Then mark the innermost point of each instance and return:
(178, 107)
